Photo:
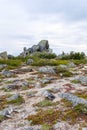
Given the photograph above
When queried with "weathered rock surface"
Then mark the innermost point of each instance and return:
(82, 79)
(48, 95)
(7, 73)
(47, 69)
(6, 112)
(74, 99)
(13, 97)
(3, 55)
(71, 65)
(43, 45)
(30, 61)
(2, 66)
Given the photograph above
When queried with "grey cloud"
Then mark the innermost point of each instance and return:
(72, 9)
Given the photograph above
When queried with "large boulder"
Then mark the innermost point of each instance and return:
(43, 45)
(3, 55)
(35, 48)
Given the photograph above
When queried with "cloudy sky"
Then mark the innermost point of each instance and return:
(26, 22)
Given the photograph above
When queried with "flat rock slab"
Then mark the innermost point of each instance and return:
(74, 99)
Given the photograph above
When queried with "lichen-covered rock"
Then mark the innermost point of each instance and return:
(48, 95)
(71, 65)
(43, 45)
(47, 69)
(35, 48)
(2, 66)
(6, 112)
(7, 73)
(82, 79)
(3, 55)
(74, 99)
(13, 97)
(61, 126)
(30, 61)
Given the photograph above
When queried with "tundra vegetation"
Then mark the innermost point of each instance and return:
(31, 85)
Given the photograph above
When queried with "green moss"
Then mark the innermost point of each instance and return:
(45, 117)
(75, 81)
(12, 63)
(66, 103)
(1, 118)
(81, 108)
(17, 101)
(46, 127)
(44, 103)
(3, 102)
(76, 114)
(67, 74)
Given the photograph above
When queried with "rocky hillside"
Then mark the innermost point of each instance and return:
(42, 92)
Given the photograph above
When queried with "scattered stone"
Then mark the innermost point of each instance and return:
(84, 128)
(13, 97)
(45, 81)
(37, 85)
(29, 128)
(10, 87)
(82, 79)
(71, 65)
(61, 126)
(30, 61)
(48, 95)
(55, 90)
(6, 112)
(74, 99)
(22, 71)
(7, 73)
(63, 66)
(2, 66)
(47, 69)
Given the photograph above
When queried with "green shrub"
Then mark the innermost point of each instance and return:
(73, 55)
(11, 63)
(45, 55)
(67, 74)
(60, 69)
(44, 103)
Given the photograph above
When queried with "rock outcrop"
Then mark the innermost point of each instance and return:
(43, 45)
(3, 55)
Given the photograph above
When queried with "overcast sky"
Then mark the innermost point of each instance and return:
(25, 22)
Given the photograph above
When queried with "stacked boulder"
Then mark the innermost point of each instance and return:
(43, 45)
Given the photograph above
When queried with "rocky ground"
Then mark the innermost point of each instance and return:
(34, 98)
